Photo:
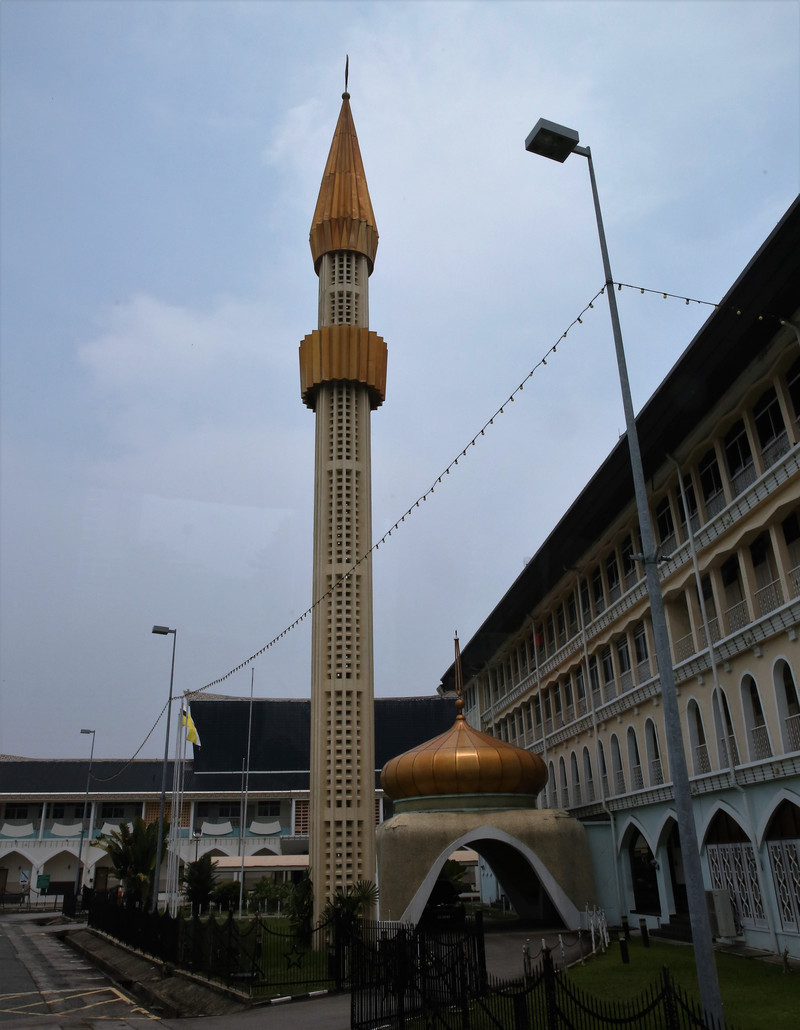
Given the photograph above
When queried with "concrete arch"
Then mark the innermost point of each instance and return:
(626, 828)
(779, 797)
(720, 806)
(534, 855)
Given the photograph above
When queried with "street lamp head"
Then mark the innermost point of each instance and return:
(548, 139)
(162, 630)
(87, 731)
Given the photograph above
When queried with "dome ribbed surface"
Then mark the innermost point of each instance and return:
(463, 761)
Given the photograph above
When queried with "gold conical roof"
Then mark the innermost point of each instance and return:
(462, 760)
(343, 219)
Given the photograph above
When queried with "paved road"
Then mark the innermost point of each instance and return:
(42, 981)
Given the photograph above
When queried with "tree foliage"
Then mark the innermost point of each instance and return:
(132, 850)
(199, 882)
(352, 902)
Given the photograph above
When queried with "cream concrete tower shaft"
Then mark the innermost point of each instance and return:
(342, 378)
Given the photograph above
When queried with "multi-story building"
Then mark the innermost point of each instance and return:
(260, 813)
(565, 666)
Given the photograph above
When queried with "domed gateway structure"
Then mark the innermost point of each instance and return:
(463, 789)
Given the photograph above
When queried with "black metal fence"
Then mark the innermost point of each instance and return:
(258, 956)
(546, 1001)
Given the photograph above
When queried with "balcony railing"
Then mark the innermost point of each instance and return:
(775, 450)
(702, 763)
(656, 772)
(605, 784)
(619, 781)
(684, 648)
(714, 504)
(729, 752)
(590, 792)
(610, 690)
(625, 681)
(743, 478)
(643, 670)
(769, 598)
(794, 579)
(713, 631)
(759, 743)
(737, 616)
(576, 794)
(792, 723)
(637, 778)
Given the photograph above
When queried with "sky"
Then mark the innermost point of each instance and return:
(160, 164)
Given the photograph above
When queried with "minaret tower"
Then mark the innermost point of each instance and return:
(342, 379)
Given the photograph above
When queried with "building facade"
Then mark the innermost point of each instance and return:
(263, 815)
(565, 664)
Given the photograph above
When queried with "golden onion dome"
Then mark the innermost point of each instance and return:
(462, 760)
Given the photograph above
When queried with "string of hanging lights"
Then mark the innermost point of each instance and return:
(542, 362)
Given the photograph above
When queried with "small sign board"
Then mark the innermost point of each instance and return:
(24, 877)
(42, 881)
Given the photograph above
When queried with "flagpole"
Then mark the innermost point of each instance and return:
(246, 790)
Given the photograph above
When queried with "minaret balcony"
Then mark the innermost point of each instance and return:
(343, 353)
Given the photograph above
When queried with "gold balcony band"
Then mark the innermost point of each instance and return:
(344, 353)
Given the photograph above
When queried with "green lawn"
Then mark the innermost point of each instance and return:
(756, 995)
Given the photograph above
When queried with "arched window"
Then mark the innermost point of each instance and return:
(577, 798)
(616, 766)
(562, 778)
(758, 745)
(783, 842)
(654, 767)
(723, 727)
(634, 761)
(601, 757)
(788, 706)
(697, 738)
(588, 778)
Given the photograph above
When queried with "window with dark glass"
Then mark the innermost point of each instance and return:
(710, 478)
(268, 809)
(793, 386)
(561, 624)
(640, 643)
(608, 665)
(691, 500)
(737, 449)
(597, 589)
(627, 552)
(612, 574)
(572, 615)
(551, 635)
(15, 810)
(664, 522)
(594, 673)
(768, 418)
(586, 604)
(112, 811)
(623, 655)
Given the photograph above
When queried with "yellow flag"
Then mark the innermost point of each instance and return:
(191, 730)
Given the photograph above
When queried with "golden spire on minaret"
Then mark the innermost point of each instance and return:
(344, 219)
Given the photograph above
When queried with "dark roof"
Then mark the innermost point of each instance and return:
(723, 348)
(67, 776)
(279, 753)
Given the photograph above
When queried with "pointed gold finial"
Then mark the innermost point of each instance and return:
(346, 95)
(459, 678)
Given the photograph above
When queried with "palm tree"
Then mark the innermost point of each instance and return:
(132, 850)
(199, 881)
(351, 902)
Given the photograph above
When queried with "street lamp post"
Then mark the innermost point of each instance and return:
(164, 631)
(557, 142)
(83, 820)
